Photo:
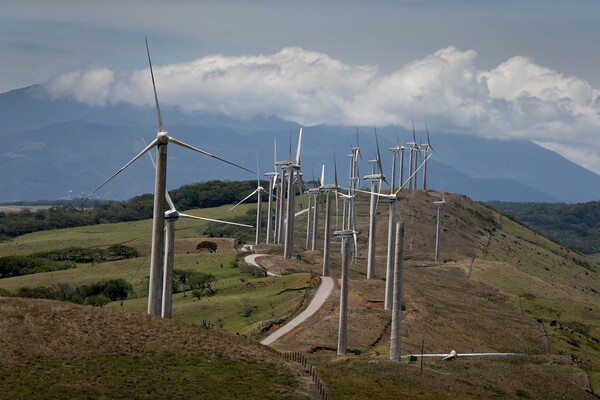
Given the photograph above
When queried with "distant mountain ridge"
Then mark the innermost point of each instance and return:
(58, 148)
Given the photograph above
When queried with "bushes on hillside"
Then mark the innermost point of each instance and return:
(207, 245)
(90, 255)
(186, 279)
(24, 265)
(96, 294)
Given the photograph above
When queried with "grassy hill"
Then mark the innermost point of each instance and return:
(500, 287)
(59, 350)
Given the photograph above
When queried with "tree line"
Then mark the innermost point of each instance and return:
(68, 214)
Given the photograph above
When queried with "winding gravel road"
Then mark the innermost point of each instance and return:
(316, 303)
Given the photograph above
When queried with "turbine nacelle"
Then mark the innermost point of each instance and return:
(162, 137)
(373, 177)
(171, 215)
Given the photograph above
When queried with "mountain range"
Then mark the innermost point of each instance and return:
(59, 148)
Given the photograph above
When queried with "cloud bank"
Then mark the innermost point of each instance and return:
(518, 99)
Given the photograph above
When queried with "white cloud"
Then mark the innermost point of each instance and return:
(91, 86)
(516, 99)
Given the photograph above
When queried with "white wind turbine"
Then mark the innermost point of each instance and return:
(157, 251)
(292, 169)
(171, 216)
(349, 208)
(426, 146)
(327, 189)
(271, 220)
(312, 223)
(375, 179)
(393, 209)
(412, 160)
(258, 191)
(281, 186)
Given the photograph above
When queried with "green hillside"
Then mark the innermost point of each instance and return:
(577, 226)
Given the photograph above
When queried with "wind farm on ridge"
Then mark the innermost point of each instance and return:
(345, 233)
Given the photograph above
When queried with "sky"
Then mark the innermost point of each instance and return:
(508, 70)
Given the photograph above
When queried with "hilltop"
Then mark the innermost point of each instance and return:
(500, 287)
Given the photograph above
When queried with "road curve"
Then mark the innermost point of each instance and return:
(316, 303)
(251, 260)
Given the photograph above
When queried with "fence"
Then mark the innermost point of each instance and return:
(300, 358)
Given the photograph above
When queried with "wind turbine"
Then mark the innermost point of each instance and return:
(258, 191)
(439, 204)
(171, 216)
(312, 222)
(393, 197)
(271, 221)
(291, 168)
(375, 179)
(157, 251)
(327, 189)
(426, 146)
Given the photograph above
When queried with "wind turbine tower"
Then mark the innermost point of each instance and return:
(375, 179)
(342, 346)
(396, 334)
(439, 204)
(291, 168)
(272, 182)
(327, 189)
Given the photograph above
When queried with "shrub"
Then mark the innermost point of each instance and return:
(207, 245)
(247, 306)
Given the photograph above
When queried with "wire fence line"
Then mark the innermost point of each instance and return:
(299, 357)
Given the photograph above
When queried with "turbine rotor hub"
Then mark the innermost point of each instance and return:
(162, 137)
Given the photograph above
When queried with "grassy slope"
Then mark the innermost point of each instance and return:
(81, 352)
(469, 303)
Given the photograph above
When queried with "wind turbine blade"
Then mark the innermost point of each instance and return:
(187, 146)
(299, 148)
(379, 159)
(335, 171)
(244, 199)
(169, 201)
(428, 141)
(290, 148)
(141, 153)
(358, 144)
(275, 154)
(257, 172)
(414, 136)
(323, 175)
(214, 220)
(387, 196)
(160, 123)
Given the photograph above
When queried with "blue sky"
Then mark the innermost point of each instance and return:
(512, 69)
